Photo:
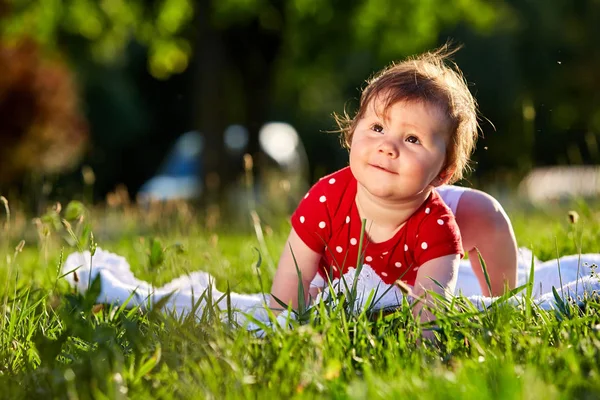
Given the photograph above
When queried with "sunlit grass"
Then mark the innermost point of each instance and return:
(55, 343)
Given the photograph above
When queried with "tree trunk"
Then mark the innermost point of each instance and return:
(210, 104)
(235, 68)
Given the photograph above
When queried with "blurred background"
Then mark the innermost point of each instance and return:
(102, 100)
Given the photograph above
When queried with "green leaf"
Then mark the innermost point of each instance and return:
(147, 365)
(485, 271)
(301, 300)
(529, 292)
(156, 253)
(75, 209)
(560, 303)
(157, 306)
(508, 295)
(91, 296)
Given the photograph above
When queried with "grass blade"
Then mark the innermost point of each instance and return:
(485, 271)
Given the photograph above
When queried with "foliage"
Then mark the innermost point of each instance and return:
(389, 29)
(43, 130)
(559, 76)
(331, 47)
(532, 66)
(108, 26)
(55, 342)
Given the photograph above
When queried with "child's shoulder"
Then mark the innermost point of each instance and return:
(335, 191)
(436, 202)
(435, 232)
(432, 209)
(335, 183)
(342, 175)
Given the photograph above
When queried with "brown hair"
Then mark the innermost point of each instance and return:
(432, 78)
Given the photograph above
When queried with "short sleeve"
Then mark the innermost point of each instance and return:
(312, 219)
(437, 235)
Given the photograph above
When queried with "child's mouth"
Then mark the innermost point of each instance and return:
(382, 169)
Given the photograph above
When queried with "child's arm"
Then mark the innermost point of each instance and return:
(285, 282)
(444, 270)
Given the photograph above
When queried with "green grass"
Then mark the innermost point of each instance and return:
(55, 343)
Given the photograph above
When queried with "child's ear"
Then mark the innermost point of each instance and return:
(443, 177)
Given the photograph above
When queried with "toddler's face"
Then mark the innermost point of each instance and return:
(398, 155)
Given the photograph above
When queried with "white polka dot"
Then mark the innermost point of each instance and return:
(385, 252)
(306, 195)
(332, 181)
(302, 219)
(369, 258)
(441, 222)
(339, 249)
(424, 245)
(322, 224)
(405, 247)
(415, 268)
(322, 199)
(397, 264)
(353, 241)
(334, 267)
(384, 274)
(347, 219)
(427, 210)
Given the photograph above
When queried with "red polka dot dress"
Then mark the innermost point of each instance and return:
(327, 221)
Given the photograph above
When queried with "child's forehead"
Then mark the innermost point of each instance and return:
(382, 104)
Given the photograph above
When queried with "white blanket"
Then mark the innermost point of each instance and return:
(118, 283)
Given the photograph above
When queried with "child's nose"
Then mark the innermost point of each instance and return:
(389, 149)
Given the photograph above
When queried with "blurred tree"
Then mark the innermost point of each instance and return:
(560, 57)
(91, 35)
(42, 129)
(237, 47)
(107, 26)
(332, 47)
(537, 81)
(250, 56)
(300, 57)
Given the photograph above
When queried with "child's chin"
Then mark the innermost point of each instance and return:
(384, 192)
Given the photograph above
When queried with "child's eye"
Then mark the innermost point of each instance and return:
(377, 128)
(413, 139)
